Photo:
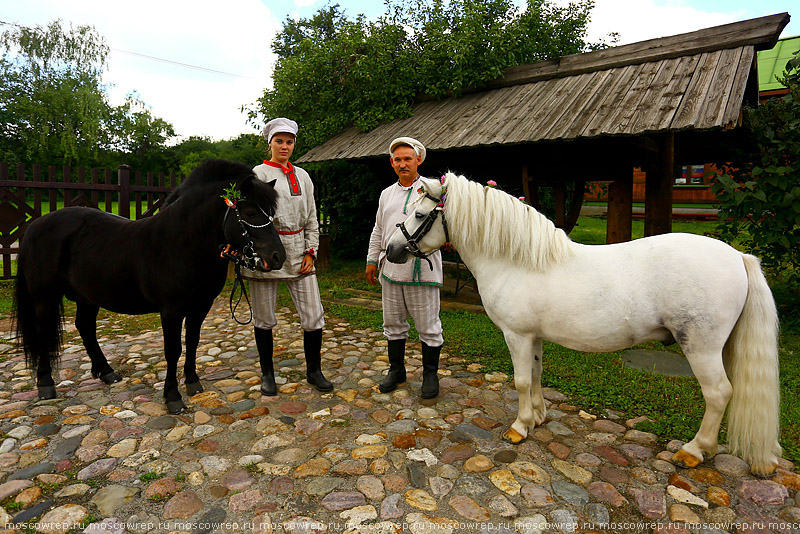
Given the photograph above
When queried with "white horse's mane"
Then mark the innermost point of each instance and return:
(499, 225)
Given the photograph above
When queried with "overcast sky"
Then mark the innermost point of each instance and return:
(197, 62)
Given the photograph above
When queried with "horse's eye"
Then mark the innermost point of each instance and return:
(419, 215)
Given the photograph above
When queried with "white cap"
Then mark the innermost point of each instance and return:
(419, 148)
(279, 125)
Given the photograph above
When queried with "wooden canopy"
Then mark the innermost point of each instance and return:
(591, 116)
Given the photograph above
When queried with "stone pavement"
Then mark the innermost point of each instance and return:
(110, 459)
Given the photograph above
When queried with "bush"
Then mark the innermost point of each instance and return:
(760, 197)
(347, 195)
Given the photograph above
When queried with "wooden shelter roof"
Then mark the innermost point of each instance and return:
(691, 81)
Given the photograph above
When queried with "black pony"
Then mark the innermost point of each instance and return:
(169, 263)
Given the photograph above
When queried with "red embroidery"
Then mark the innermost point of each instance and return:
(294, 185)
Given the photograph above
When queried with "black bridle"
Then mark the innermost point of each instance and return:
(425, 226)
(247, 257)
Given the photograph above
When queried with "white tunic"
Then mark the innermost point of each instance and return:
(394, 208)
(295, 220)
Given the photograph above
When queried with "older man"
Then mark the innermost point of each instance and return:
(409, 289)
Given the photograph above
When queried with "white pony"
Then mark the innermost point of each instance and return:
(536, 284)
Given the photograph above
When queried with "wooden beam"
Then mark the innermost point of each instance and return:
(658, 188)
(620, 210)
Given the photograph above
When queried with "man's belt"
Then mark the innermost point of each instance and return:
(290, 232)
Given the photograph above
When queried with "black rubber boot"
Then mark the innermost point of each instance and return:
(397, 366)
(430, 368)
(264, 346)
(312, 345)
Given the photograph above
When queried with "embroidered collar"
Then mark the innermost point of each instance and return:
(412, 183)
(288, 171)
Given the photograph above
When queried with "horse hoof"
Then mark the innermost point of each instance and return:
(193, 388)
(684, 459)
(175, 407)
(512, 436)
(47, 392)
(111, 378)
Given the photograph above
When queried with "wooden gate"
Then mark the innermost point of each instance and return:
(26, 196)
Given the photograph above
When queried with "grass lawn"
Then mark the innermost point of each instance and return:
(596, 382)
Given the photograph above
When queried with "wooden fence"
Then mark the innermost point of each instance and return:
(29, 192)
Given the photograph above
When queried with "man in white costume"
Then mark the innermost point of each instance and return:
(410, 289)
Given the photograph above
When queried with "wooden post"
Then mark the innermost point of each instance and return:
(108, 181)
(53, 188)
(95, 193)
(529, 189)
(124, 199)
(65, 175)
(526, 184)
(575, 206)
(137, 182)
(658, 188)
(620, 210)
(37, 193)
(561, 205)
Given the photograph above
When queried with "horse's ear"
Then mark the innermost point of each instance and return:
(272, 183)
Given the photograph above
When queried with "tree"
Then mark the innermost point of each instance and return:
(760, 197)
(186, 155)
(54, 109)
(52, 101)
(333, 72)
(139, 135)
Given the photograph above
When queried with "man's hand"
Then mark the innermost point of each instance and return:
(308, 264)
(228, 250)
(372, 273)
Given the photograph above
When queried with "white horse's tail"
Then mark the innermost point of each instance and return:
(751, 360)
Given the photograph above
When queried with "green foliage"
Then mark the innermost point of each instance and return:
(333, 71)
(760, 199)
(231, 194)
(54, 109)
(348, 195)
(139, 135)
(52, 101)
(185, 156)
(150, 476)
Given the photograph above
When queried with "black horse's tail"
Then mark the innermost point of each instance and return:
(39, 328)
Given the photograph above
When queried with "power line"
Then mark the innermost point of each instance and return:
(180, 64)
(154, 58)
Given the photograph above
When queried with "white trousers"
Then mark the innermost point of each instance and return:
(305, 295)
(420, 302)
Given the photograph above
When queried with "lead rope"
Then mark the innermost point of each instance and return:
(238, 281)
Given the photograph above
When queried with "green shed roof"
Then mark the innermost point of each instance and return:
(772, 63)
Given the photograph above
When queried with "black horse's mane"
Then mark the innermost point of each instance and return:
(214, 175)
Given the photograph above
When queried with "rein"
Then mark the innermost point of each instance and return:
(247, 258)
(413, 239)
